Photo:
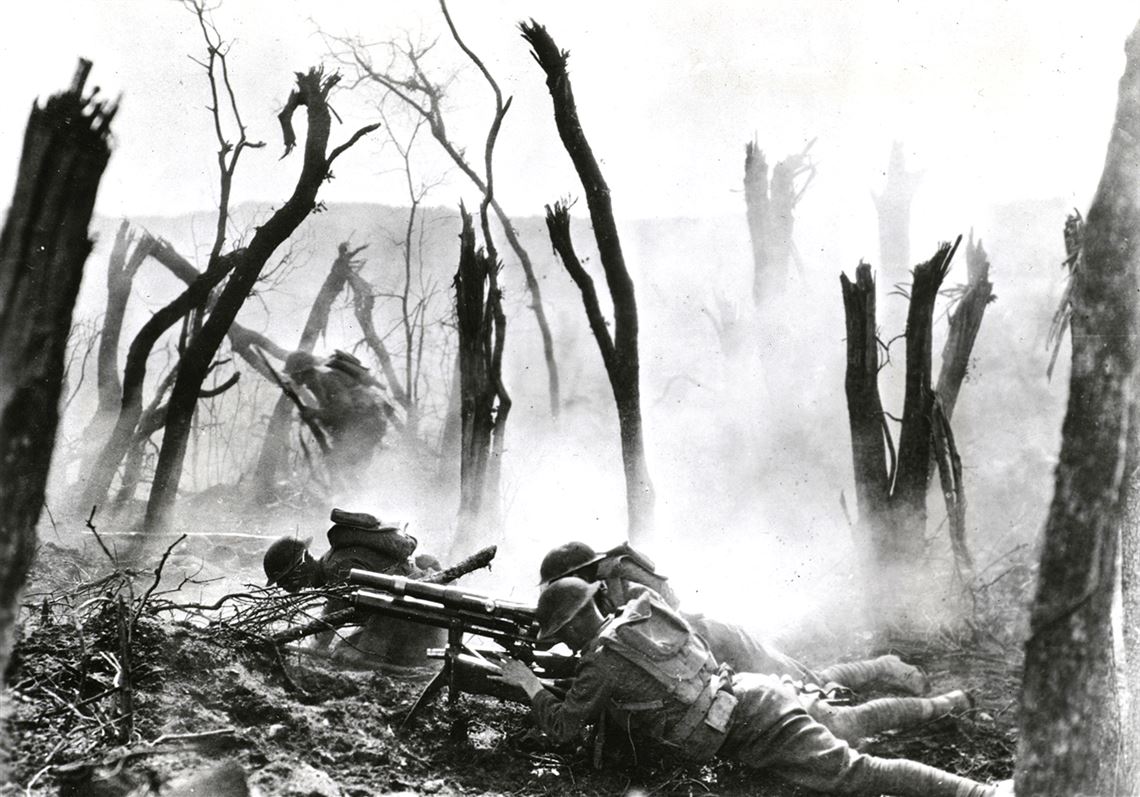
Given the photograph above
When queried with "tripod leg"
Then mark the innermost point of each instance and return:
(433, 688)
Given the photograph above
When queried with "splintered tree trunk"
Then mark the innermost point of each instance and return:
(756, 207)
(893, 206)
(770, 201)
(965, 322)
(312, 92)
(892, 497)
(1069, 703)
(43, 248)
(275, 446)
(475, 309)
(624, 368)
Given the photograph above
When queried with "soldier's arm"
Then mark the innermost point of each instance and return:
(586, 701)
(564, 719)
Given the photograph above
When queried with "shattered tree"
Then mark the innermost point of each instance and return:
(621, 356)
(893, 206)
(43, 248)
(425, 98)
(770, 202)
(1070, 740)
(484, 403)
(245, 266)
(891, 494)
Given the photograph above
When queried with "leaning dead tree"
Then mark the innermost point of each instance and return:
(484, 402)
(244, 266)
(893, 206)
(43, 248)
(128, 253)
(426, 97)
(890, 488)
(619, 354)
(1070, 741)
(970, 303)
(771, 201)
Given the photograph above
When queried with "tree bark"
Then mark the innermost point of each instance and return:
(1070, 734)
(312, 92)
(893, 206)
(1130, 615)
(891, 495)
(965, 322)
(475, 300)
(43, 248)
(625, 373)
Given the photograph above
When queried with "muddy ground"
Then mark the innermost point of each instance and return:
(204, 707)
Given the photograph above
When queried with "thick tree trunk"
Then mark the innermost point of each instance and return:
(312, 92)
(475, 300)
(43, 248)
(275, 446)
(893, 206)
(1069, 736)
(625, 372)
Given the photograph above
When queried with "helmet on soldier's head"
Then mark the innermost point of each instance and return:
(283, 556)
(300, 361)
(560, 602)
(566, 560)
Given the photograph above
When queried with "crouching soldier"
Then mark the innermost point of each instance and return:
(622, 569)
(358, 540)
(646, 669)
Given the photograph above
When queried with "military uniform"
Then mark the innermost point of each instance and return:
(381, 549)
(349, 408)
(624, 570)
(649, 672)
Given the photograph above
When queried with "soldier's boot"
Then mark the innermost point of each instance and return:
(891, 713)
(889, 671)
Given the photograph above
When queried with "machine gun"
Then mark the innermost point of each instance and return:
(511, 625)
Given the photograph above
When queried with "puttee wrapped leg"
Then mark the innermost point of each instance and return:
(886, 714)
(888, 671)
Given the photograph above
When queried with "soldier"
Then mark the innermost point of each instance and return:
(622, 567)
(358, 540)
(350, 406)
(646, 669)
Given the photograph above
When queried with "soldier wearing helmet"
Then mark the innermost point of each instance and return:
(646, 669)
(358, 540)
(348, 404)
(623, 571)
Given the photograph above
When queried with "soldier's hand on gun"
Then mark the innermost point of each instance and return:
(515, 673)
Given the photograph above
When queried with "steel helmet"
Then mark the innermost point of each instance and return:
(566, 560)
(560, 602)
(283, 555)
(299, 362)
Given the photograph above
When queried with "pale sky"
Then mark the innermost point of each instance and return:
(999, 100)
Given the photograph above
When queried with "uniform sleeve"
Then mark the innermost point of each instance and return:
(584, 703)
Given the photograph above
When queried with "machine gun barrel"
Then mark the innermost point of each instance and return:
(502, 630)
(446, 596)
